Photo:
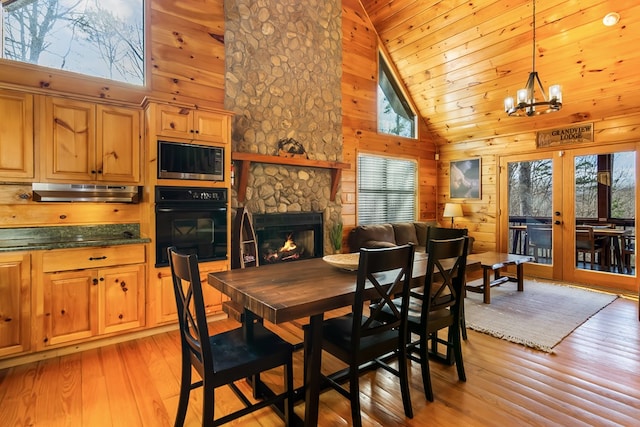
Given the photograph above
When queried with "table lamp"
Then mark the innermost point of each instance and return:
(452, 210)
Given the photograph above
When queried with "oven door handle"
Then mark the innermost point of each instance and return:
(186, 209)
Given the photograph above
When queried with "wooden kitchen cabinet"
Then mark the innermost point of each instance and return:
(121, 299)
(191, 124)
(165, 305)
(15, 303)
(16, 136)
(87, 142)
(80, 303)
(70, 306)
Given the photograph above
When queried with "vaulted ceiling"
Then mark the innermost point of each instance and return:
(459, 59)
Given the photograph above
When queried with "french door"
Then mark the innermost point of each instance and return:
(573, 211)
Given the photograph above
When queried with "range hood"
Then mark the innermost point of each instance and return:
(46, 192)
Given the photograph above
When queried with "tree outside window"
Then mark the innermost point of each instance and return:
(100, 38)
(395, 115)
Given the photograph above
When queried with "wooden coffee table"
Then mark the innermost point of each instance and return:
(493, 262)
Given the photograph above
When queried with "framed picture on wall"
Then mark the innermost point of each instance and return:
(465, 179)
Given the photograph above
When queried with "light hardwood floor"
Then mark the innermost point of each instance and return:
(593, 379)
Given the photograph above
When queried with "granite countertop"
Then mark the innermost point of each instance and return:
(64, 237)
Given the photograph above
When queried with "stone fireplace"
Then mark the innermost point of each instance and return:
(283, 61)
(288, 237)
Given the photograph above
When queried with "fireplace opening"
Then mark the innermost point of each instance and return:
(286, 237)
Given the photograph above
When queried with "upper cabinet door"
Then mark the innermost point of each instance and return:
(68, 136)
(191, 124)
(118, 145)
(174, 122)
(211, 127)
(16, 136)
(86, 142)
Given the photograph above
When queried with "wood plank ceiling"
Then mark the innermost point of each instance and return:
(459, 59)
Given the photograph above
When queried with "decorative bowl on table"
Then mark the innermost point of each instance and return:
(347, 262)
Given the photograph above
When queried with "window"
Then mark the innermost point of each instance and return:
(395, 115)
(100, 38)
(386, 189)
(605, 186)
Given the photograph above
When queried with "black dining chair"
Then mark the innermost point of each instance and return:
(361, 341)
(441, 233)
(441, 308)
(224, 358)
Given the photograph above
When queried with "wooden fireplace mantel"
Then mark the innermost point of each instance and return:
(243, 160)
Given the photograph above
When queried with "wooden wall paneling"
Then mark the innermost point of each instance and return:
(32, 215)
(187, 51)
(15, 75)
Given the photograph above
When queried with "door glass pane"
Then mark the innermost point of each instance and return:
(605, 212)
(530, 208)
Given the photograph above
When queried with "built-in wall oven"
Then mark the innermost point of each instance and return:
(194, 220)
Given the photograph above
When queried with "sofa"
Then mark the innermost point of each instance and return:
(392, 234)
(389, 234)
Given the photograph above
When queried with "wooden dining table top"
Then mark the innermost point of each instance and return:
(292, 290)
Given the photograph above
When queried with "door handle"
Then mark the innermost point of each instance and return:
(556, 222)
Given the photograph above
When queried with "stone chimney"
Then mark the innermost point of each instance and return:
(283, 63)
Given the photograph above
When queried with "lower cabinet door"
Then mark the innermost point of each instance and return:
(70, 306)
(121, 298)
(15, 303)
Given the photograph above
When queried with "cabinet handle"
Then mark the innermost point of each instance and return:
(97, 258)
(95, 281)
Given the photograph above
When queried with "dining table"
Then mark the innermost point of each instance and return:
(288, 291)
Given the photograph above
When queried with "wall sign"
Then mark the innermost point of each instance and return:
(571, 135)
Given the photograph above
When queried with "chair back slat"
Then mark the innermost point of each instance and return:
(445, 278)
(383, 274)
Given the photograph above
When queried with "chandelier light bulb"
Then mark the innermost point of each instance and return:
(508, 103)
(555, 91)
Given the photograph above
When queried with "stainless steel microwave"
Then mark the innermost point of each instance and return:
(178, 160)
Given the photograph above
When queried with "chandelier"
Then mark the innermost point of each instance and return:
(525, 103)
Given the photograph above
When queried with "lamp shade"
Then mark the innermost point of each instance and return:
(452, 210)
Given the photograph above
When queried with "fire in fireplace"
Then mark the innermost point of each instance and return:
(285, 237)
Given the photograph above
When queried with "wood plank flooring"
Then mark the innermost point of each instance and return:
(593, 379)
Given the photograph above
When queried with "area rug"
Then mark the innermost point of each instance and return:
(540, 317)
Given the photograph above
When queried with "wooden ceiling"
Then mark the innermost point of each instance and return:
(459, 59)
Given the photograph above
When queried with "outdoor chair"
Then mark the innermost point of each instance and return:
(224, 358)
(539, 241)
(363, 342)
(628, 250)
(586, 243)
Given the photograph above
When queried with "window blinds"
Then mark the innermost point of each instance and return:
(386, 190)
